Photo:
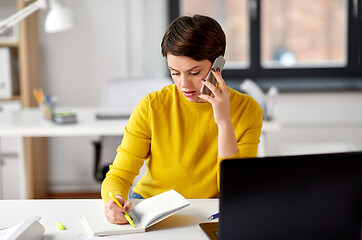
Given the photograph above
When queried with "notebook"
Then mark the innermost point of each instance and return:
(291, 197)
(145, 214)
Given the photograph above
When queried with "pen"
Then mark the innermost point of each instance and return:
(129, 219)
(216, 215)
(38, 94)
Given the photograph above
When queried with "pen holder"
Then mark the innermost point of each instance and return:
(47, 110)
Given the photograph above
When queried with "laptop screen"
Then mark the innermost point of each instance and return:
(291, 197)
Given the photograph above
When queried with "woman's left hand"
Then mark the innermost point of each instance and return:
(220, 100)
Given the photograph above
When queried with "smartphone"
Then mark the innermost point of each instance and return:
(218, 64)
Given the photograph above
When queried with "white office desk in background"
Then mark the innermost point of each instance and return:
(29, 122)
(183, 225)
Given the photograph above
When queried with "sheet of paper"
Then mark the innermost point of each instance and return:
(97, 224)
(159, 207)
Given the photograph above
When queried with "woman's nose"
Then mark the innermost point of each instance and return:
(185, 82)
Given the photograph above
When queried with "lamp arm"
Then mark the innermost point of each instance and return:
(21, 14)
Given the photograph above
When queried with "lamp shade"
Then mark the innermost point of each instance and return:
(59, 18)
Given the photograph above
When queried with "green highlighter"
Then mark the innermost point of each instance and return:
(129, 219)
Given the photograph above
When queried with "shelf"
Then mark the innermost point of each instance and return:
(9, 44)
(25, 49)
(13, 98)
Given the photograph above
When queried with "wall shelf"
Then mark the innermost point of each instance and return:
(27, 53)
(9, 44)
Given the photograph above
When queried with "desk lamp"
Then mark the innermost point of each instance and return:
(59, 18)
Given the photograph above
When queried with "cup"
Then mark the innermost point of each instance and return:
(47, 110)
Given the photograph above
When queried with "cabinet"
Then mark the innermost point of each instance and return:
(9, 159)
(26, 50)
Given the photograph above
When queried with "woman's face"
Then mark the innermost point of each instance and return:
(187, 74)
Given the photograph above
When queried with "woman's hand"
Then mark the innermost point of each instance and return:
(220, 100)
(115, 214)
(227, 145)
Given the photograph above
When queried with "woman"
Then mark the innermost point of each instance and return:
(182, 134)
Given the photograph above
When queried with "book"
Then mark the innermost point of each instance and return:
(64, 117)
(30, 228)
(145, 214)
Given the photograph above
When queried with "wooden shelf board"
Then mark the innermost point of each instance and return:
(9, 44)
(74, 195)
(13, 98)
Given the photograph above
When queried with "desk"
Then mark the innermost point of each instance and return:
(33, 159)
(29, 123)
(183, 225)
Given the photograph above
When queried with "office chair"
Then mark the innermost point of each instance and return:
(123, 94)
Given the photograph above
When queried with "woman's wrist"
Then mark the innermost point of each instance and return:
(227, 145)
(225, 125)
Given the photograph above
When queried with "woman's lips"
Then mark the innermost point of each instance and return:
(189, 94)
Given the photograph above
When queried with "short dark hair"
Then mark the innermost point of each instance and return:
(199, 37)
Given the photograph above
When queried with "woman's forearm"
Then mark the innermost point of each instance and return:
(227, 145)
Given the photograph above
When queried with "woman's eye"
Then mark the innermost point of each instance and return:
(195, 73)
(174, 73)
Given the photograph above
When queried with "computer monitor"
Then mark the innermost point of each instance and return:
(291, 197)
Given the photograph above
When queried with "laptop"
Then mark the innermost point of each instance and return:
(305, 197)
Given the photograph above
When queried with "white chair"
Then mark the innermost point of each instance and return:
(121, 94)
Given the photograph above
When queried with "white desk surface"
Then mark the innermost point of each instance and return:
(29, 122)
(183, 225)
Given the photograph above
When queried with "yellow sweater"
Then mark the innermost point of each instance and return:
(179, 140)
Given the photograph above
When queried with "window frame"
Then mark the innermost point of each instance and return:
(296, 79)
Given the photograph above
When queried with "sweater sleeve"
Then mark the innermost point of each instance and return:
(131, 154)
(249, 140)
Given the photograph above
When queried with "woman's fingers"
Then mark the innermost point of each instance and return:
(222, 87)
(127, 206)
(114, 213)
(211, 86)
(220, 100)
(219, 79)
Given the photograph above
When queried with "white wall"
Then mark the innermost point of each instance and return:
(113, 38)
(320, 107)
(317, 122)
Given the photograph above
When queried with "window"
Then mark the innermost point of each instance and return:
(287, 42)
(294, 34)
(233, 16)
